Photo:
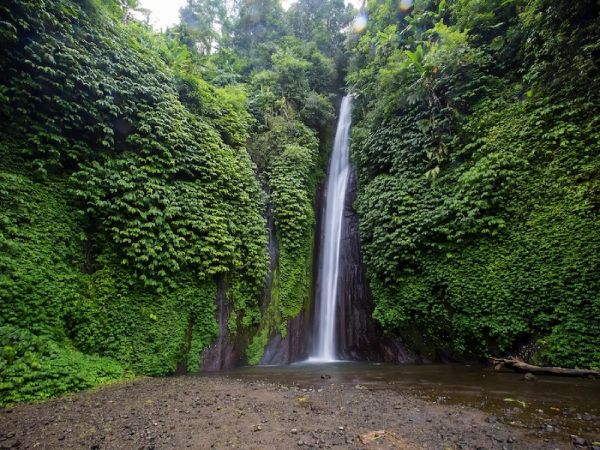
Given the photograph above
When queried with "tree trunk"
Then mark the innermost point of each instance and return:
(520, 366)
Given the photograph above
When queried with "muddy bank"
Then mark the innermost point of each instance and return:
(546, 405)
(214, 412)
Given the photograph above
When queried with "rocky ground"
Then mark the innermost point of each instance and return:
(206, 412)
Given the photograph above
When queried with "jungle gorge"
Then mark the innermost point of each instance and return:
(162, 193)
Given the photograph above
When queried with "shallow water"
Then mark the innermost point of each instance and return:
(548, 404)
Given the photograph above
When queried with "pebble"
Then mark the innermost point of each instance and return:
(529, 377)
(578, 441)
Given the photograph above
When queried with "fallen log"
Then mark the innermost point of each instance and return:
(521, 366)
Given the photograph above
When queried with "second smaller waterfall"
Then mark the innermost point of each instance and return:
(329, 263)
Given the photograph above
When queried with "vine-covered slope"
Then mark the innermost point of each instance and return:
(137, 171)
(126, 189)
(291, 63)
(140, 173)
(477, 147)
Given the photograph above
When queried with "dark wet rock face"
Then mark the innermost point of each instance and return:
(224, 353)
(281, 350)
(227, 353)
(289, 349)
(273, 257)
(359, 336)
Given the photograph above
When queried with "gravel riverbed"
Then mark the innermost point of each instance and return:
(218, 412)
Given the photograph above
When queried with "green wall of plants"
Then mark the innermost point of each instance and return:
(476, 142)
(126, 189)
(135, 171)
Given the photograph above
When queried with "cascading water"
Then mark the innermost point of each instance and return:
(337, 183)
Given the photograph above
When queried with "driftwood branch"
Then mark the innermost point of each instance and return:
(520, 366)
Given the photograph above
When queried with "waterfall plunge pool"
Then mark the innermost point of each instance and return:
(550, 404)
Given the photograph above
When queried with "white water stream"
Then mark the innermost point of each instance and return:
(335, 196)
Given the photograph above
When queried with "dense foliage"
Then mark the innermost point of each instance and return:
(126, 190)
(136, 175)
(476, 145)
(144, 175)
(291, 63)
(36, 368)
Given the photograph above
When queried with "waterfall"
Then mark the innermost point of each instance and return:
(329, 263)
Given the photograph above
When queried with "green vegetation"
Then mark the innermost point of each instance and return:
(136, 171)
(122, 201)
(140, 172)
(291, 71)
(477, 151)
(35, 368)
